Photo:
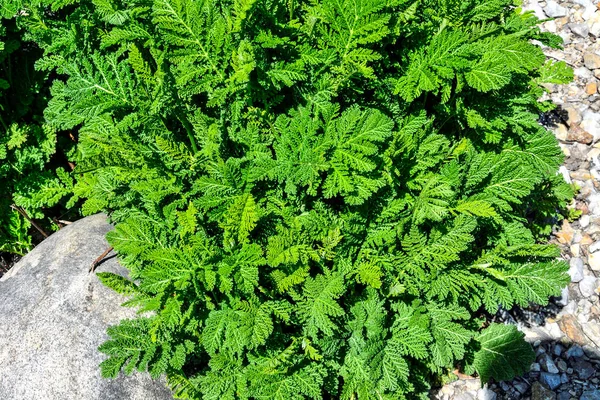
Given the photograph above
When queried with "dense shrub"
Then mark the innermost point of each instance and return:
(26, 143)
(315, 198)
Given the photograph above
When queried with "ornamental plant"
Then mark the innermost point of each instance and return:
(314, 198)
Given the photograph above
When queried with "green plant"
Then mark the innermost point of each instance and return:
(26, 143)
(315, 198)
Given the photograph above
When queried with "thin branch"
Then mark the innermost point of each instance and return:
(24, 214)
(98, 260)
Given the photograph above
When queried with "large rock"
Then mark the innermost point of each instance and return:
(54, 315)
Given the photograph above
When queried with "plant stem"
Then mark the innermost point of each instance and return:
(190, 132)
(24, 214)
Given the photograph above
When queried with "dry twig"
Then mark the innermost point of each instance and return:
(98, 260)
(24, 214)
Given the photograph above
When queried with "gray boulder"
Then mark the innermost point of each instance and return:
(53, 317)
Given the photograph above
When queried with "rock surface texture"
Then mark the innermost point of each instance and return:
(565, 334)
(54, 315)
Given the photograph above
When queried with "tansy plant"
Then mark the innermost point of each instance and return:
(314, 198)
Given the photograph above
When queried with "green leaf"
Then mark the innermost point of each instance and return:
(479, 208)
(556, 72)
(318, 307)
(503, 353)
(485, 77)
(117, 283)
(241, 218)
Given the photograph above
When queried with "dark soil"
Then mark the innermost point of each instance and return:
(7, 261)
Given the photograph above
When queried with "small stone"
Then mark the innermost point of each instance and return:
(563, 301)
(562, 365)
(537, 10)
(593, 154)
(539, 392)
(591, 60)
(590, 395)
(566, 37)
(551, 381)
(586, 240)
(592, 332)
(521, 387)
(594, 247)
(584, 369)
(569, 371)
(486, 394)
(535, 367)
(565, 173)
(504, 386)
(539, 350)
(573, 91)
(580, 135)
(592, 127)
(595, 28)
(574, 351)
(574, 115)
(594, 260)
(554, 10)
(590, 113)
(565, 235)
(571, 308)
(585, 306)
(577, 153)
(576, 267)
(591, 88)
(561, 132)
(581, 30)
(584, 221)
(584, 74)
(589, 16)
(590, 11)
(564, 378)
(581, 175)
(586, 190)
(571, 327)
(550, 26)
(548, 364)
(588, 285)
(564, 396)
(552, 329)
(575, 250)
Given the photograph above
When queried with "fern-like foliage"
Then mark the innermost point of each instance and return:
(26, 142)
(315, 198)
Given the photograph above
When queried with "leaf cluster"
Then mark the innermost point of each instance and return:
(314, 198)
(26, 142)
